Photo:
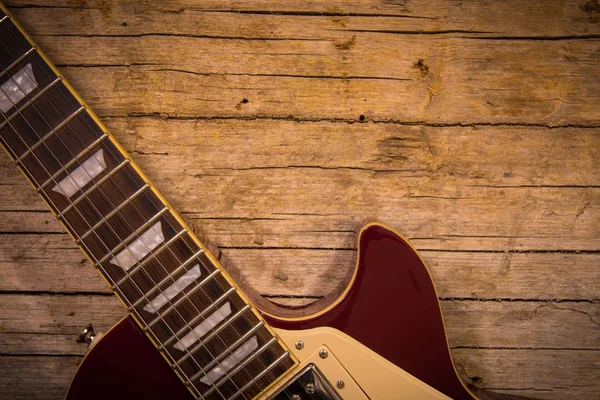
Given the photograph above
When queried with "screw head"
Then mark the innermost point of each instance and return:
(296, 397)
(310, 388)
(340, 384)
(299, 345)
(323, 353)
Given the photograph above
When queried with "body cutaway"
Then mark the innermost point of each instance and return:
(390, 307)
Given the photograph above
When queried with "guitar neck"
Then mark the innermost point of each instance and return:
(178, 293)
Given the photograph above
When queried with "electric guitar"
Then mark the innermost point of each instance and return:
(190, 331)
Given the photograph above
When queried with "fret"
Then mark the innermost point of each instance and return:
(177, 293)
(131, 237)
(49, 135)
(215, 332)
(13, 43)
(244, 338)
(195, 320)
(17, 61)
(94, 211)
(144, 262)
(92, 188)
(228, 374)
(105, 219)
(29, 102)
(77, 158)
(260, 375)
(40, 152)
(166, 279)
(185, 297)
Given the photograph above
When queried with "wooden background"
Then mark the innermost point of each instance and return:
(278, 127)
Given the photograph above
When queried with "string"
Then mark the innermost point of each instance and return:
(137, 234)
(9, 122)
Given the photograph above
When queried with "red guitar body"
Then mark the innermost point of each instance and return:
(391, 307)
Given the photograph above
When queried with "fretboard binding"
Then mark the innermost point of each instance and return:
(17, 61)
(49, 135)
(234, 371)
(166, 279)
(95, 186)
(29, 102)
(197, 317)
(259, 376)
(132, 236)
(155, 253)
(215, 332)
(71, 163)
(185, 297)
(112, 213)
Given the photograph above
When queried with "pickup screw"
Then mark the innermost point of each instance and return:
(340, 384)
(296, 397)
(299, 344)
(310, 388)
(323, 353)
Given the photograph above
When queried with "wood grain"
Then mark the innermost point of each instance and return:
(279, 128)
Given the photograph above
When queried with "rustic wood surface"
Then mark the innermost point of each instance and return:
(277, 128)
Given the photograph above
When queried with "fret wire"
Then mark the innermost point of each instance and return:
(77, 158)
(30, 102)
(170, 276)
(184, 298)
(96, 185)
(17, 61)
(230, 349)
(194, 320)
(228, 322)
(237, 369)
(151, 252)
(260, 375)
(155, 253)
(132, 236)
(4, 18)
(216, 332)
(113, 212)
(49, 135)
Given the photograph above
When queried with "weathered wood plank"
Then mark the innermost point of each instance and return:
(36, 377)
(484, 155)
(532, 373)
(508, 90)
(49, 263)
(249, 18)
(320, 231)
(29, 320)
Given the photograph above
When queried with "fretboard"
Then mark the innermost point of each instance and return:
(179, 294)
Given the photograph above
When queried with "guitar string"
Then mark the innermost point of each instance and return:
(230, 323)
(9, 123)
(34, 105)
(110, 177)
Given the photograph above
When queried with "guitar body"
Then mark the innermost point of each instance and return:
(387, 324)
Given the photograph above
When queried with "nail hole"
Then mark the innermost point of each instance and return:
(244, 101)
(362, 118)
(124, 24)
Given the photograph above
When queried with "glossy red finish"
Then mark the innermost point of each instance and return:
(125, 365)
(393, 309)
